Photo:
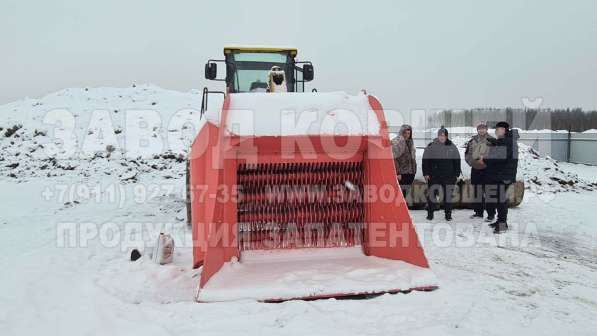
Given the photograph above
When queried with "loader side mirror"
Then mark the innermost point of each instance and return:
(211, 71)
(308, 72)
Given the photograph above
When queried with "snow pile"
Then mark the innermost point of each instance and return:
(544, 174)
(82, 102)
(124, 132)
(23, 156)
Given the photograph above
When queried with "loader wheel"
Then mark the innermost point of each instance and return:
(188, 193)
(516, 194)
(463, 197)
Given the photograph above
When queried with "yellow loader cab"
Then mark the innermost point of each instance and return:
(248, 69)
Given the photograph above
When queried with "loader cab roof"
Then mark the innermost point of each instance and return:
(263, 49)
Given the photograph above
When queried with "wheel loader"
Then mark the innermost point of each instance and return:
(293, 193)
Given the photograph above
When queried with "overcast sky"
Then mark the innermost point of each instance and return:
(411, 54)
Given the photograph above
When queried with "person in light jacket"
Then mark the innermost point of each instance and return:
(405, 158)
(476, 148)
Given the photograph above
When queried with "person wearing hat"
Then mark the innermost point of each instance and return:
(476, 148)
(405, 158)
(502, 166)
(441, 168)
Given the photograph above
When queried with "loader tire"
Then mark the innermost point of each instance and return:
(417, 198)
(188, 193)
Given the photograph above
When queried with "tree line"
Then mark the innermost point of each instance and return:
(573, 119)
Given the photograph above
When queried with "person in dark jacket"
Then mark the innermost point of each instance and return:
(476, 148)
(502, 166)
(441, 168)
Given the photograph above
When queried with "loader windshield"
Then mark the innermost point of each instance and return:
(251, 69)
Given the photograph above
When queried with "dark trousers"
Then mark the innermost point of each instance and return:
(406, 181)
(479, 185)
(497, 199)
(444, 188)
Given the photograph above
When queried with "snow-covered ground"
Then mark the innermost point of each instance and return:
(66, 232)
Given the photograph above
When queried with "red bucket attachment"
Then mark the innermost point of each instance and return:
(285, 216)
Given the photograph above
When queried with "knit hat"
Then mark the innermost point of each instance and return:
(443, 131)
(482, 124)
(406, 127)
(502, 124)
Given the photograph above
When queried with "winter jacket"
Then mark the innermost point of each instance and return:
(502, 158)
(476, 147)
(441, 161)
(405, 153)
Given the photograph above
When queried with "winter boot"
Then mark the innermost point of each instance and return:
(475, 216)
(490, 219)
(500, 227)
(448, 216)
(429, 215)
